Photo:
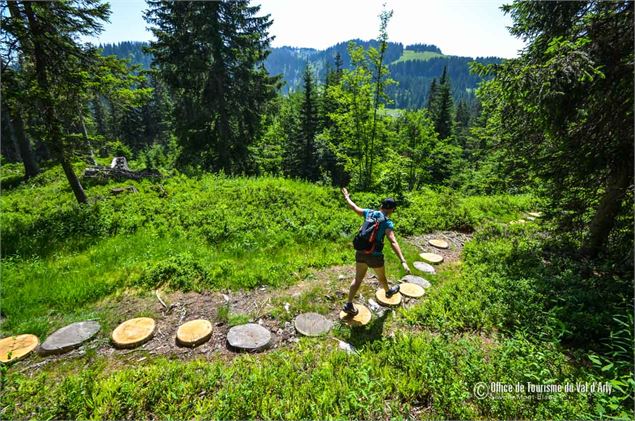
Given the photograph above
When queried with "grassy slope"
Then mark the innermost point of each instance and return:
(478, 323)
(417, 55)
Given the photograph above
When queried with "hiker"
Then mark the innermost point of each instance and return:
(369, 243)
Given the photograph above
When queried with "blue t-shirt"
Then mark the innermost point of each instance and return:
(387, 223)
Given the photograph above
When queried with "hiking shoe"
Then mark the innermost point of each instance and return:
(350, 309)
(392, 291)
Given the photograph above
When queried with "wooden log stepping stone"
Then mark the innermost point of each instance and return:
(395, 300)
(417, 280)
(194, 332)
(424, 267)
(312, 324)
(69, 337)
(14, 348)
(411, 290)
(431, 257)
(362, 318)
(249, 337)
(535, 214)
(133, 332)
(438, 243)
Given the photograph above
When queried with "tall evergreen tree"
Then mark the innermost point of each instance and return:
(566, 107)
(301, 151)
(47, 34)
(310, 118)
(211, 56)
(443, 114)
(432, 95)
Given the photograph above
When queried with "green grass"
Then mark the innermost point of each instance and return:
(513, 311)
(390, 378)
(187, 234)
(417, 55)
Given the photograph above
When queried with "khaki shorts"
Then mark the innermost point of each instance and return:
(371, 260)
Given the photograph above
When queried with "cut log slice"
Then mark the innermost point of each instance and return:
(411, 290)
(417, 280)
(395, 300)
(438, 243)
(535, 214)
(424, 267)
(14, 348)
(194, 332)
(363, 316)
(69, 337)
(133, 332)
(431, 257)
(520, 221)
(249, 337)
(312, 324)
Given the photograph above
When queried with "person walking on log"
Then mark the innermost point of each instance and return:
(369, 243)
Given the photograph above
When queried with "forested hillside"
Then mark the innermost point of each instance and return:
(413, 67)
(181, 235)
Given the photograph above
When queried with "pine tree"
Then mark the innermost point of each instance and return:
(47, 34)
(211, 56)
(309, 118)
(565, 105)
(444, 108)
(432, 95)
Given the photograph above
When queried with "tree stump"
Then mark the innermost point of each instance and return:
(362, 318)
(424, 267)
(431, 257)
(119, 163)
(312, 324)
(194, 332)
(250, 337)
(438, 243)
(133, 332)
(417, 280)
(395, 300)
(69, 337)
(411, 290)
(14, 348)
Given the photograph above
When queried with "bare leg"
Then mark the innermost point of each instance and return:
(360, 272)
(381, 277)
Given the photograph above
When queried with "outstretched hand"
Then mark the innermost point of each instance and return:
(406, 267)
(344, 191)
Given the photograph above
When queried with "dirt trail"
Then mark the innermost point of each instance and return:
(323, 291)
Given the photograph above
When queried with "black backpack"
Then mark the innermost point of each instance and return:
(366, 238)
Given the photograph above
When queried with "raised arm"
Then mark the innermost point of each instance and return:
(395, 246)
(350, 203)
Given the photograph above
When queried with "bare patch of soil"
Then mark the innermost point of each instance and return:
(327, 287)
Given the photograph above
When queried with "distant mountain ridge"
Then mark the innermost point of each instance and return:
(413, 67)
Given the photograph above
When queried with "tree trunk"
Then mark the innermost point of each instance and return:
(78, 190)
(31, 168)
(11, 153)
(91, 153)
(41, 70)
(604, 218)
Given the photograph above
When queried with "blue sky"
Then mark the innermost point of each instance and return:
(458, 27)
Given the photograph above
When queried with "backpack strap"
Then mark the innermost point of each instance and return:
(379, 220)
